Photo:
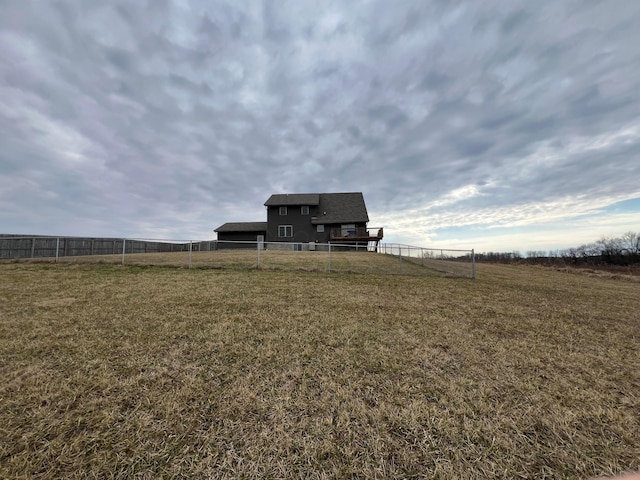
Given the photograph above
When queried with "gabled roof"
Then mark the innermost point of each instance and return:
(341, 208)
(289, 199)
(332, 208)
(242, 227)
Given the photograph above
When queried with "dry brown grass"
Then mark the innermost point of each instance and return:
(629, 275)
(139, 372)
(281, 260)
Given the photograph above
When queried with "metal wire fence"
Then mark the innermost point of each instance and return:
(383, 258)
(453, 262)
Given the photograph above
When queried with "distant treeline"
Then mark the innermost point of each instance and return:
(624, 250)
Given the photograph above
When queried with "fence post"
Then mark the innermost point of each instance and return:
(33, 246)
(473, 264)
(400, 257)
(422, 255)
(57, 248)
(190, 252)
(258, 248)
(124, 243)
(329, 264)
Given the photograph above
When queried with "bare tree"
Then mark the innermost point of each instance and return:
(630, 242)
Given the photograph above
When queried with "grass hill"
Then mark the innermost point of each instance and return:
(112, 371)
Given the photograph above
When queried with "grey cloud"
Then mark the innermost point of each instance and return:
(436, 81)
(392, 116)
(472, 147)
(120, 58)
(184, 109)
(514, 21)
(496, 120)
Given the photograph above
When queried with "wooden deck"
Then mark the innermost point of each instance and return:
(370, 236)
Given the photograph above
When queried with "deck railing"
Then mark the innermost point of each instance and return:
(356, 233)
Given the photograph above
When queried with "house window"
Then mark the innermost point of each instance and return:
(283, 210)
(304, 210)
(285, 230)
(320, 229)
(348, 230)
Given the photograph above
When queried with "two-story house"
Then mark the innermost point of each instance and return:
(307, 218)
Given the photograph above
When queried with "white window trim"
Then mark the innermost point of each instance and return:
(302, 210)
(283, 229)
(283, 210)
(320, 228)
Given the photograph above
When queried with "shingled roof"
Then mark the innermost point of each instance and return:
(242, 227)
(341, 208)
(292, 199)
(330, 208)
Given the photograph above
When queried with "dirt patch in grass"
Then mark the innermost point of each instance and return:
(145, 372)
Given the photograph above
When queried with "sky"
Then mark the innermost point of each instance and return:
(494, 125)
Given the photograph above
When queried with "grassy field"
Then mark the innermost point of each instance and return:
(281, 260)
(148, 372)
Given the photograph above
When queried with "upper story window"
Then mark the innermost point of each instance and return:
(283, 210)
(304, 210)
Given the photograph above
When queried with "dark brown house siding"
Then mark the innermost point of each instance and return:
(240, 232)
(328, 210)
(303, 218)
(302, 229)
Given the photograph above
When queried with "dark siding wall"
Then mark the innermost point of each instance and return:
(238, 237)
(303, 231)
(323, 237)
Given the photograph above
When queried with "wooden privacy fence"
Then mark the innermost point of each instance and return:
(12, 247)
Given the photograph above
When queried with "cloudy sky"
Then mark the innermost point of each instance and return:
(494, 125)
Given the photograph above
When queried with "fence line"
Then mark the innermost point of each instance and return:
(327, 257)
(441, 259)
(38, 246)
